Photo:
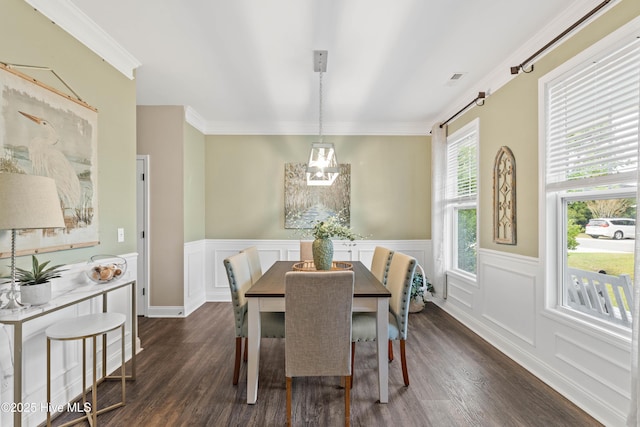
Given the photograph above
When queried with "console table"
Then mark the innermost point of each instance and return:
(63, 299)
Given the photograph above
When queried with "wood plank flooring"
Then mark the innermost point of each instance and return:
(457, 379)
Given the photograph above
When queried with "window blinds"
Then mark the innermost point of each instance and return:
(592, 120)
(462, 165)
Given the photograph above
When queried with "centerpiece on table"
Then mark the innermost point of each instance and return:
(322, 246)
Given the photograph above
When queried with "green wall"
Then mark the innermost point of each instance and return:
(27, 37)
(194, 206)
(510, 117)
(244, 181)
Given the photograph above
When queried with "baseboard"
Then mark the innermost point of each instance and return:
(166, 311)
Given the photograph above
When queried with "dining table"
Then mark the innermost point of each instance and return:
(267, 295)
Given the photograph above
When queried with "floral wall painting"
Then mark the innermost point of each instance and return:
(504, 197)
(304, 205)
(45, 132)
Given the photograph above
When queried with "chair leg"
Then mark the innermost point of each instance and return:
(288, 401)
(353, 356)
(347, 401)
(390, 352)
(236, 368)
(246, 351)
(403, 359)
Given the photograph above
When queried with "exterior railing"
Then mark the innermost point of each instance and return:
(600, 295)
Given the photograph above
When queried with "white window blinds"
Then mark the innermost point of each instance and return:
(462, 164)
(592, 120)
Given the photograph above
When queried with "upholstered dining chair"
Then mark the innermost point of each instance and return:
(306, 250)
(380, 263)
(254, 263)
(318, 328)
(399, 280)
(271, 323)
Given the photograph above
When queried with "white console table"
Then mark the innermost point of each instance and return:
(60, 300)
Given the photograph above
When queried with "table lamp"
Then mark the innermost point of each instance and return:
(26, 202)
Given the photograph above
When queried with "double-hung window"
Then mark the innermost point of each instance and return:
(590, 160)
(461, 197)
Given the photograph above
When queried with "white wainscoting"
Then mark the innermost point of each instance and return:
(506, 306)
(67, 362)
(217, 285)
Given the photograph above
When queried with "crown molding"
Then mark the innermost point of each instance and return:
(75, 22)
(501, 74)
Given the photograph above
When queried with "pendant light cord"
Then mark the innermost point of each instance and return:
(320, 115)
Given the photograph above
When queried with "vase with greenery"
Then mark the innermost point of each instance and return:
(419, 286)
(322, 246)
(35, 284)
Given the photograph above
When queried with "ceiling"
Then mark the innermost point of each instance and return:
(246, 66)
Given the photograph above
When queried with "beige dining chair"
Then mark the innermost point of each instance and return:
(399, 280)
(271, 323)
(318, 328)
(306, 250)
(380, 263)
(254, 263)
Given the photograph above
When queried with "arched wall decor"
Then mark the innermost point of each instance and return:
(504, 197)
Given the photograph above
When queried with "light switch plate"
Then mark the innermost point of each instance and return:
(120, 235)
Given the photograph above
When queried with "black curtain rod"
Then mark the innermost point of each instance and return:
(481, 95)
(516, 69)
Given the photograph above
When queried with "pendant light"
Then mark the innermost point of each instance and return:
(322, 168)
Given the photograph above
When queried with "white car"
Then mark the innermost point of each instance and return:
(615, 228)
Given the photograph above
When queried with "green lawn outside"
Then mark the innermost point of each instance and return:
(613, 264)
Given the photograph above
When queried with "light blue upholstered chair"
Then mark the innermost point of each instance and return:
(271, 324)
(380, 263)
(254, 263)
(318, 327)
(399, 280)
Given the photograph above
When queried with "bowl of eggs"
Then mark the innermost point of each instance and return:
(105, 268)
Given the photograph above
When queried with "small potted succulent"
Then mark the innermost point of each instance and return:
(419, 286)
(35, 285)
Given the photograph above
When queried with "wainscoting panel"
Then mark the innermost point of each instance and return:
(583, 357)
(194, 274)
(509, 296)
(217, 285)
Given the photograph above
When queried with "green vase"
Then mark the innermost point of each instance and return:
(322, 253)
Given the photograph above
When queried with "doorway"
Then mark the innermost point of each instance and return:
(142, 197)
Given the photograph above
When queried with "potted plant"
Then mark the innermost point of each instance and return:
(419, 286)
(322, 246)
(35, 285)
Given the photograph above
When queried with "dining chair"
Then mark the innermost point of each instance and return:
(254, 263)
(271, 323)
(306, 250)
(380, 263)
(399, 279)
(318, 328)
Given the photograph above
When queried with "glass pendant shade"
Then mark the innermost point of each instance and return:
(322, 167)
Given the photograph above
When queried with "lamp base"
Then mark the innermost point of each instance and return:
(13, 304)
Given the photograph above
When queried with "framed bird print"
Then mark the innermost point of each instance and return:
(44, 131)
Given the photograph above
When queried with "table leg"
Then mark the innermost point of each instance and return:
(253, 350)
(17, 372)
(382, 338)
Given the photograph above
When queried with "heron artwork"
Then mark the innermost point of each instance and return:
(47, 160)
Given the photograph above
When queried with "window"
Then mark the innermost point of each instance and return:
(590, 125)
(461, 196)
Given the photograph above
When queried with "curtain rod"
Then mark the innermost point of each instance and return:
(516, 69)
(481, 95)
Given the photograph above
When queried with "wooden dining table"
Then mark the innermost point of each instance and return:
(267, 294)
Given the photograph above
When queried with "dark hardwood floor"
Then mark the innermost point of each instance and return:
(457, 379)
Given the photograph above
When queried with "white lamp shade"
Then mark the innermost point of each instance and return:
(322, 168)
(29, 201)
